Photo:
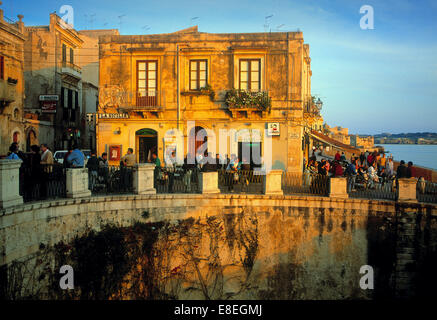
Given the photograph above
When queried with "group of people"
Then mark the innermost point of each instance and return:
(35, 169)
(371, 168)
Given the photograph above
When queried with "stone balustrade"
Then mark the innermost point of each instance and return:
(10, 183)
(406, 191)
(77, 183)
(208, 182)
(338, 187)
(143, 178)
(272, 183)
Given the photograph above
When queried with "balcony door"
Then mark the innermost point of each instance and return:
(147, 83)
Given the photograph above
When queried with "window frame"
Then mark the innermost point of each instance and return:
(249, 73)
(147, 76)
(197, 74)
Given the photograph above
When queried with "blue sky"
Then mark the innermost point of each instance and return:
(371, 81)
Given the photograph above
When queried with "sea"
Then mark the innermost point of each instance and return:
(423, 155)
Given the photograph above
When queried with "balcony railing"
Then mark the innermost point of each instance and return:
(248, 99)
(71, 68)
(147, 98)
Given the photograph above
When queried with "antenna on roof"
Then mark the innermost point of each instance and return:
(145, 28)
(266, 23)
(192, 19)
(120, 17)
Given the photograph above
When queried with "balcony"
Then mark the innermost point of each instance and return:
(71, 70)
(244, 103)
(148, 103)
(8, 91)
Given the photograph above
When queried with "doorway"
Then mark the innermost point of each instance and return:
(198, 137)
(252, 150)
(147, 143)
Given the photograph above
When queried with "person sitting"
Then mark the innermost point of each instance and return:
(411, 171)
(13, 149)
(401, 171)
(338, 169)
(343, 157)
(76, 159)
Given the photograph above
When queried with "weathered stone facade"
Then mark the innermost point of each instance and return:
(284, 73)
(11, 83)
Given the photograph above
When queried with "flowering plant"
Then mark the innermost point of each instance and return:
(245, 99)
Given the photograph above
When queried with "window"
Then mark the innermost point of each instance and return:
(71, 55)
(198, 74)
(147, 83)
(2, 67)
(250, 74)
(64, 53)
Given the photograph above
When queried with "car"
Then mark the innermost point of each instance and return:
(60, 155)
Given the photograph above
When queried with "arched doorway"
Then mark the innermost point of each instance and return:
(198, 137)
(146, 144)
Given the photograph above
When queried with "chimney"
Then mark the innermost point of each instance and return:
(20, 23)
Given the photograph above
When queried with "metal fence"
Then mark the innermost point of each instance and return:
(47, 181)
(361, 186)
(426, 191)
(111, 180)
(305, 183)
(241, 181)
(176, 180)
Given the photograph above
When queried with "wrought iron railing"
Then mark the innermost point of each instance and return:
(241, 181)
(362, 186)
(46, 181)
(426, 191)
(111, 180)
(176, 180)
(305, 183)
(147, 98)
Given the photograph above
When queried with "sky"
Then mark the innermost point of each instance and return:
(371, 81)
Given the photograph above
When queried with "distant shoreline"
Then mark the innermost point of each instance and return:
(418, 144)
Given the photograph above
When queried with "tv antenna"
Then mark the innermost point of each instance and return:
(192, 19)
(266, 23)
(120, 17)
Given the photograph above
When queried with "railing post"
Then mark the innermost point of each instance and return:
(406, 190)
(208, 182)
(77, 183)
(272, 183)
(338, 187)
(10, 183)
(143, 176)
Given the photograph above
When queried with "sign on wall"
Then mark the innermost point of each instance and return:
(115, 153)
(113, 116)
(48, 103)
(273, 129)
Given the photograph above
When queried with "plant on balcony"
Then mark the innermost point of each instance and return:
(207, 90)
(245, 99)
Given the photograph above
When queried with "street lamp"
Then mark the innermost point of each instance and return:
(319, 104)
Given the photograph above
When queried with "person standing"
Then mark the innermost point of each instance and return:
(46, 159)
(382, 162)
(362, 158)
(337, 156)
(351, 173)
(128, 161)
(13, 149)
(93, 167)
(389, 167)
(34, 174)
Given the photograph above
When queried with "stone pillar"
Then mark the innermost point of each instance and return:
(77, 183)
(338, 188)
(10, 183)
(208, 182)
(272, 182)
(406, 190)
(143, 178)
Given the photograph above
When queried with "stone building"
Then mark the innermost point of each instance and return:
(152, 86)
(364, 142)
(53, 82)
(89, 63)
(11, 83)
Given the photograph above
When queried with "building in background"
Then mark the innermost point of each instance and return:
(11, 83)
(53, 83)
(89, 63)
(187, 80)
